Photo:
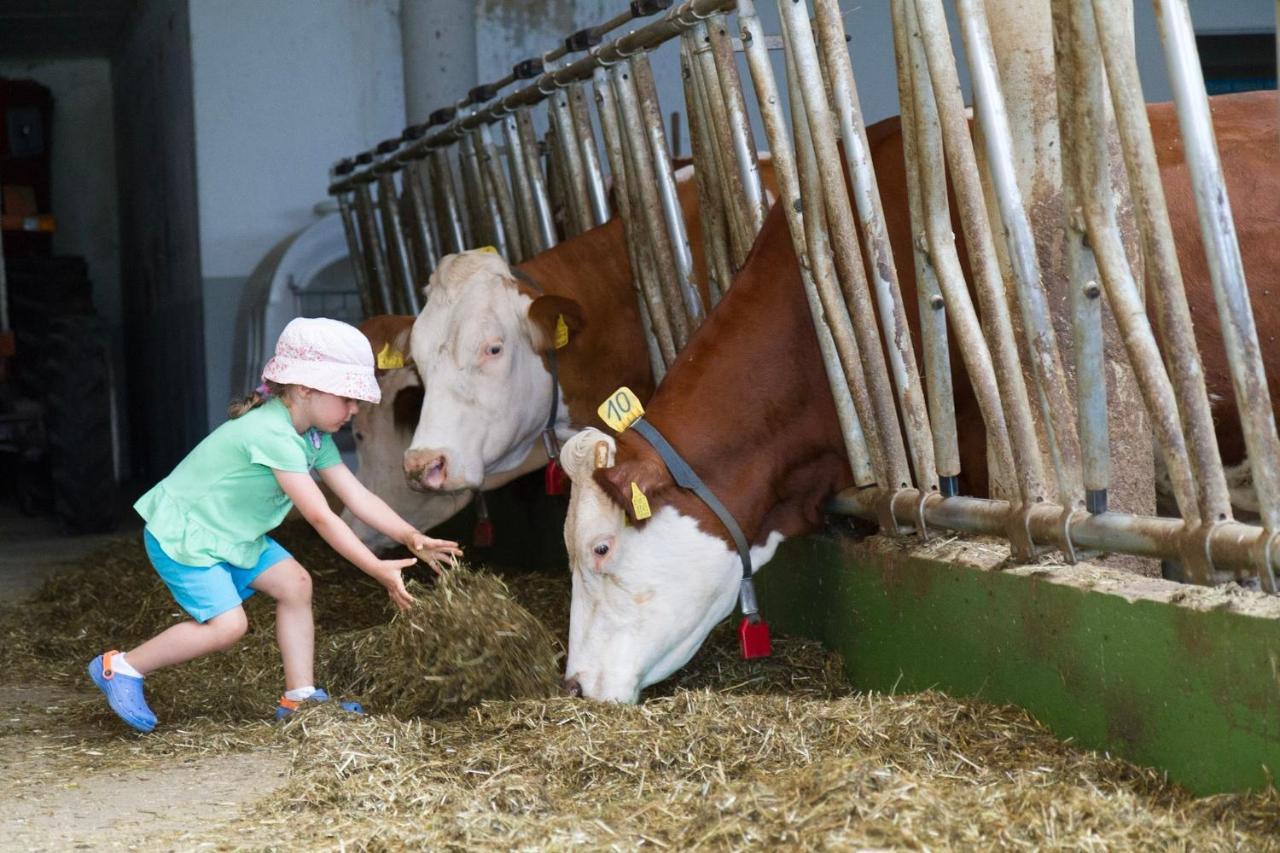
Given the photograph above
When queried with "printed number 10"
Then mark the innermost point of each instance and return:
(619, 406)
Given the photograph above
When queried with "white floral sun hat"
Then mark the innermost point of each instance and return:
(327, 355)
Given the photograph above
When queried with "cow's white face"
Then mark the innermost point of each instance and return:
(644, 600)
(382, 434)
(488, 391)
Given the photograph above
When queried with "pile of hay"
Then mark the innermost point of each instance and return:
(464, 640)
(707, 770)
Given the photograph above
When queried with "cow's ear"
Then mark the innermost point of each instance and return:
(622, 482)
(400, 343)
(554, 321)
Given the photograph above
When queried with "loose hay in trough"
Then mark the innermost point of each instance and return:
(727, 754)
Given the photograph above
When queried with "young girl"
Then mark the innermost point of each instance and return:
(207, 521)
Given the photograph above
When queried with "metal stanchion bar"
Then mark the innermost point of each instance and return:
(452, 218)
(1160, 257)
(1051, 384)
(525, 213)
(1226, 270)
(421, 236)
(486, 218)
(1084, 293)
(359, 267)
(784, 165)
(839, 213)
(646, 204)
(1122, 290)
(718, 154)
(883, 275)
(963, 169)
(816, 248)
(403, 296)
(372, 242)
(537, 179)
(500, 191)
(573, 177)
(641, 275)
(711, 212)
(929, 299)
(744, 144)
(672, 212)
(586, 138)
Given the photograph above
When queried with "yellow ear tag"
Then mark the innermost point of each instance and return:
(639, 503)
(490, 249)
(389, 359)
(562, 332)
(621, 409)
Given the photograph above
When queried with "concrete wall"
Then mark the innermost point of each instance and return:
(281, 90)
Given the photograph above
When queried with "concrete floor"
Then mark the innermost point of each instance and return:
(34, 547)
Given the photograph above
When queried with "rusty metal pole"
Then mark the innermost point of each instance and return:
(641, 274)
(1163, 273)
(672, 212)
(537, 179)
(1226, 270)
(519, 168)
(1085, 298)
(744, 145)
(646, 207)
(831, 309)
(573, 177)
(581, 117)
(359, 266)
(803, 55)
(495, 178)
(426, 253)
(883, 275)
(784, 164)
(372, 242)
(716, 143)
(929, 299)
(1051, 385)
(454, 235)
(1122, 289)
(705, 172)
(979, 242)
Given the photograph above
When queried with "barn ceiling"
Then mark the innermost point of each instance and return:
(62, 27)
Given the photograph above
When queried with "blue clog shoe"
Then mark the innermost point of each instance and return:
(287, 706)
(123, 692)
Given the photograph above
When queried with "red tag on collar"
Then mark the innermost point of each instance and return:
(482, 534)
(553, 478)
(753, 638)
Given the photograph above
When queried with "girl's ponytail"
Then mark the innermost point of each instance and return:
(248, 403)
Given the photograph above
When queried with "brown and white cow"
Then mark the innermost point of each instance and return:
(481, 341)
(382, 434)
(748, 406)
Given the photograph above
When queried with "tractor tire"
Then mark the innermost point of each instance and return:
(79, 426)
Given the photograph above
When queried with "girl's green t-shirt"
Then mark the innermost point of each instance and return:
(221, 500)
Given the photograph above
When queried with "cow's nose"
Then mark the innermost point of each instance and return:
(425, 469)
(572, 687)
(435, 472)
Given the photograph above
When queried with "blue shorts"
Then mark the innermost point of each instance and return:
(206, 591)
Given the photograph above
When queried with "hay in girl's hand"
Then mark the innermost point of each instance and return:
(465, 639)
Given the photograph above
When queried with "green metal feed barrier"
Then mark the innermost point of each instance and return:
(1184, 679)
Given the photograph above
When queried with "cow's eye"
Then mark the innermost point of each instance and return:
(601, 549)
(359, 436)
(493, 349)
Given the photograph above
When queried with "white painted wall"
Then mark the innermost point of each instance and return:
(282, 89)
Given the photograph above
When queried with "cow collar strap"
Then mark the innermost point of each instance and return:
(753, 632)
(549, 439)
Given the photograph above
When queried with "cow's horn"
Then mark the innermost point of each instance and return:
(602, 454)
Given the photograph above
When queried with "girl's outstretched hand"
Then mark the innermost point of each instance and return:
(389, 573)
(436, 553)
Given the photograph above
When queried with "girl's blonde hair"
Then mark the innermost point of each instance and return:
(260, 395)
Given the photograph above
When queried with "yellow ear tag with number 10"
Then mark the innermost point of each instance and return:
(621, 410)
(562, 332)
(639, 503)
